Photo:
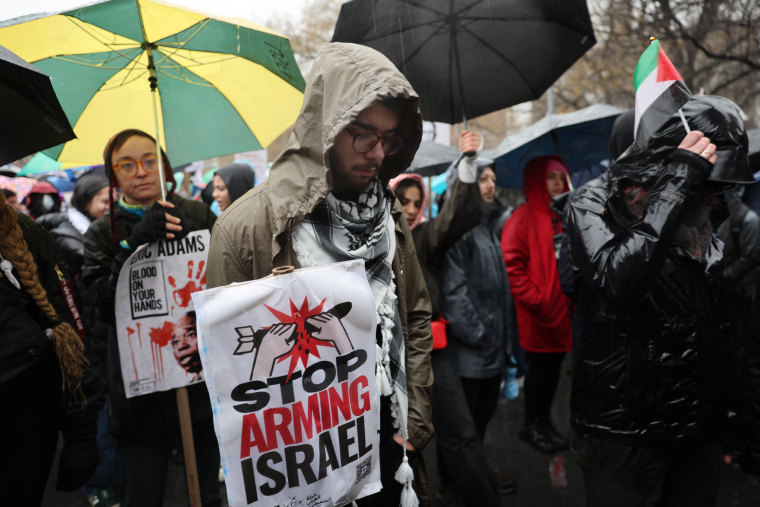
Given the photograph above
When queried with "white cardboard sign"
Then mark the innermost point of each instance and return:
(155, 321)
(290, 367)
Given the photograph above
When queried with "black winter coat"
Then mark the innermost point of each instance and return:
(475, 299)
(29, 367)
(71, 243)
(433, 238)
(151, 417)
(70, 240)
(648, 360)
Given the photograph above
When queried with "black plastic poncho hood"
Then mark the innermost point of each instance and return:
(720, 120)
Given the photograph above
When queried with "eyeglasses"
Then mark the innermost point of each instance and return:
(366, 142)
(128, 168)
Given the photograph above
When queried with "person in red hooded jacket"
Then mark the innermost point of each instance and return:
(543, 311)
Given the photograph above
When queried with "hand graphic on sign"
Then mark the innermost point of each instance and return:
(182, 295)
(277, 342)
(326, 326)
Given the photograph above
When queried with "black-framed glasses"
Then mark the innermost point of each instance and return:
(128, 168)
(366, 141)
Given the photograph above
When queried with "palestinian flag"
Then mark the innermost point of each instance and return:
(660, 92)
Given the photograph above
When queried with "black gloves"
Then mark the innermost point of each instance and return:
(153, 226)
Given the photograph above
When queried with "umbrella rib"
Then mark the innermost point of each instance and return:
(81, 25)
(165, 57)
(182, 44)
(130, 70)
(70, 59)
(185, 80)
(421, 45)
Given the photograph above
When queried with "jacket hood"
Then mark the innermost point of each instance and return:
(416, 177)
(718, 118)
(238, 178)
(621, 136)
(345, 80)
(534, 176)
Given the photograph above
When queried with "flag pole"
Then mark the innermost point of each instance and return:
(683, 120)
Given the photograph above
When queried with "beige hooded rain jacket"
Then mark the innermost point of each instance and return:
(253, 235)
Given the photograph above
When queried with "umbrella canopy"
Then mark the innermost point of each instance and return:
(466, 58)
(581, 138)
(223, 86)
(42, 164)
(32, 117)
(433, 158)
(21, 185)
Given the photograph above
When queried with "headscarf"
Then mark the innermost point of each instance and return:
(239, 179)
(416, 177)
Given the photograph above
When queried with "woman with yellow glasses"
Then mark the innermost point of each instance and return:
(145, 427)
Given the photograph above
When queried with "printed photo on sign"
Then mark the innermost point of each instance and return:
(158, 341)
(290, 367)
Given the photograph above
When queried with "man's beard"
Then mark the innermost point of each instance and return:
(346, 184)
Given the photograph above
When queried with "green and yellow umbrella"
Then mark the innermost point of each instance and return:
(220, 86)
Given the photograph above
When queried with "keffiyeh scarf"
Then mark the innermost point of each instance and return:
(338, 230)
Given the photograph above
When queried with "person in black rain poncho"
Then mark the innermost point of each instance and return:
(649, 360)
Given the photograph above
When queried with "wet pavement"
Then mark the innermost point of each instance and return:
(545, 480)
(542, 480)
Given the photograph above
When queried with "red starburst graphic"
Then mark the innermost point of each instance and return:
(305, 344)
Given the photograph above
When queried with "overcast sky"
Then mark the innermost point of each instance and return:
(259, 11)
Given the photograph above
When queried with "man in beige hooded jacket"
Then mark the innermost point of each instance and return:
(359, 127)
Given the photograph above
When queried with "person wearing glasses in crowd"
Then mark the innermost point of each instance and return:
(145, 427)
(327, 200)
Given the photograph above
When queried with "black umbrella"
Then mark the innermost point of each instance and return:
(466, 58)
(32, 117)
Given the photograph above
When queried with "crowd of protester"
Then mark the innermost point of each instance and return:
(647, 276)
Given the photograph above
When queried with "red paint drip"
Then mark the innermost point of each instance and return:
(159, 338)
(130, 332)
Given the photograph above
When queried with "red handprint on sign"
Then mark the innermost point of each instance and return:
(195, 283)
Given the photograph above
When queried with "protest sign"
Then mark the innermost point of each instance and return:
(290, 368)
(155, 321)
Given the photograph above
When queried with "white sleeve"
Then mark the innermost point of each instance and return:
(468, 166)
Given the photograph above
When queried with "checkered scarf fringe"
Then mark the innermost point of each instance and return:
(338, 230)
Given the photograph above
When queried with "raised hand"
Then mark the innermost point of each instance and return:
(696, 142)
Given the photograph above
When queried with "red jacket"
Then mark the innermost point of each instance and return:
(527, 243)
